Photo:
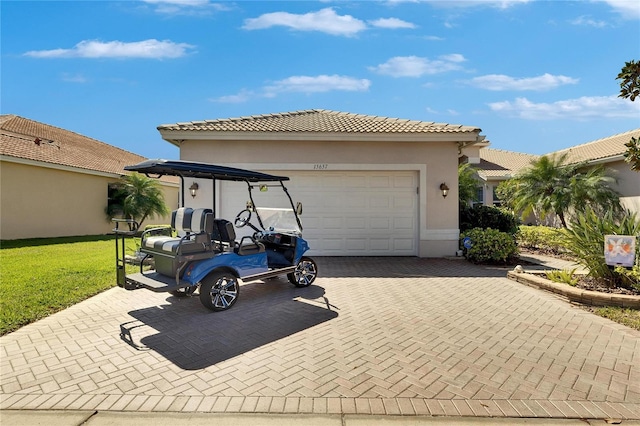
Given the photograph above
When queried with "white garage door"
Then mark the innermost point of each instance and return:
(347, 213)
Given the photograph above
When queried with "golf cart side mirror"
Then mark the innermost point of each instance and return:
(299, 208)
(250, 206)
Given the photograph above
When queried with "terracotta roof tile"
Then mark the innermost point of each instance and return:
(497, 163)
(600, 149)
(30, 140)
(317, 120)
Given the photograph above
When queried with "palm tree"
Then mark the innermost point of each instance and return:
(467, 184)
(552, 186)
(139, 197)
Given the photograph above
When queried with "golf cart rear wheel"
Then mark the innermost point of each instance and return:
(219, 291)
(305, 273)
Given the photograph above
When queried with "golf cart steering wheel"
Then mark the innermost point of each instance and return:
(243, 218)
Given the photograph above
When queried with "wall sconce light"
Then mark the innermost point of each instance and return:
(193, 189)
(445, 189)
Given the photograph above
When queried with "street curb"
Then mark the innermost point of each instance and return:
(586, 297)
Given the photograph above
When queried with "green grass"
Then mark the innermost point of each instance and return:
(624, 316)
(42, 276)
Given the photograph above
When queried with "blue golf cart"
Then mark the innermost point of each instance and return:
(200, 252)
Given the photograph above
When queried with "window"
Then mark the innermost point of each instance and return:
(479, 200)
(496, 200)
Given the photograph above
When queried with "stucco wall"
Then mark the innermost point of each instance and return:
(438, 161)
(628, 185)
(39, 202)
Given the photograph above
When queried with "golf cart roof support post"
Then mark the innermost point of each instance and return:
(250, 187)
(181, 191)
(213, 194)
(295, 212)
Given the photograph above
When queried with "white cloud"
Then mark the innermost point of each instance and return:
(500, 4)
(499, 82)
(414, 66)
(325, 20)
(182, 7)
(584, 108)
(628, 9)
(239, 98)
(391, 23)
(300, 84)
(317, 84)
(587, 22)
(74, 78)
(148, 49)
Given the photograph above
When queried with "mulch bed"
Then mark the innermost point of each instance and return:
(593, 284)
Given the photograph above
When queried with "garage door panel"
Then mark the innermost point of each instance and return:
(350, 213)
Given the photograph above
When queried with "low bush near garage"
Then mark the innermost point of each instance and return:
(43, 276)
(542, 238)
(487, 217)
(491, 246)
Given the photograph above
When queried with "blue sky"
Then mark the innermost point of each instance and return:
(535, 76)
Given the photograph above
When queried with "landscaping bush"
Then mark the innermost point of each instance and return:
(490, 246)
(487, 217)
(585, 239)
(542, 238)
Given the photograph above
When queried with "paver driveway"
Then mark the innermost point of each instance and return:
(372, 335)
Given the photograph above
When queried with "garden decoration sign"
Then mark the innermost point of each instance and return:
(620, 250)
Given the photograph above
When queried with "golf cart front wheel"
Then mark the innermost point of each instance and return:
(219, 291)
(305, 273)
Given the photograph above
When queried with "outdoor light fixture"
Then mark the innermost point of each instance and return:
(193, 189)
(445, 189)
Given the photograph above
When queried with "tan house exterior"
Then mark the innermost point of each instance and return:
(369, 185)
(610, 153)
(54, 182)
(496, 166)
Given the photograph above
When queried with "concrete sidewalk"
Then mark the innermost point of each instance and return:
(88, 418)
(403, 340)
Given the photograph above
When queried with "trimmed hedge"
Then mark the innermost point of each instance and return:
(488, 217)
(490, 246)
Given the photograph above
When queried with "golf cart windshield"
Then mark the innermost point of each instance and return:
(280, 220)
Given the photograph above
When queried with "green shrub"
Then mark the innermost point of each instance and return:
(487, 217)
(544, 238)
(629, 277)
(565, 276)
(490, 246)
(585, 239)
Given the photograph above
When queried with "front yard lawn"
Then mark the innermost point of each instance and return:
(43, 276)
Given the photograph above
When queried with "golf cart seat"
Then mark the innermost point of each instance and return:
(225, 236)
(195, 224)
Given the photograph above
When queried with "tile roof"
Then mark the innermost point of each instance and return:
(611, 147)
(318, 120)
(30, 140)
(497, 163)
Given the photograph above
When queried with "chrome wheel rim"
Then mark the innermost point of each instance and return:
(305, 272)
(224, 292)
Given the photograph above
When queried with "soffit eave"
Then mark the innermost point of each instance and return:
(62, 167)
(462, 137)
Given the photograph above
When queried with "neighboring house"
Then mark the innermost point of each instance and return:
(369, 185)
(56, 183)
(497, 165)
(610, 153)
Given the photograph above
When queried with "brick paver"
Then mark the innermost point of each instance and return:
(398, 336)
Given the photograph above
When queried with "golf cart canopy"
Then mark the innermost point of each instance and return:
(191, 169)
